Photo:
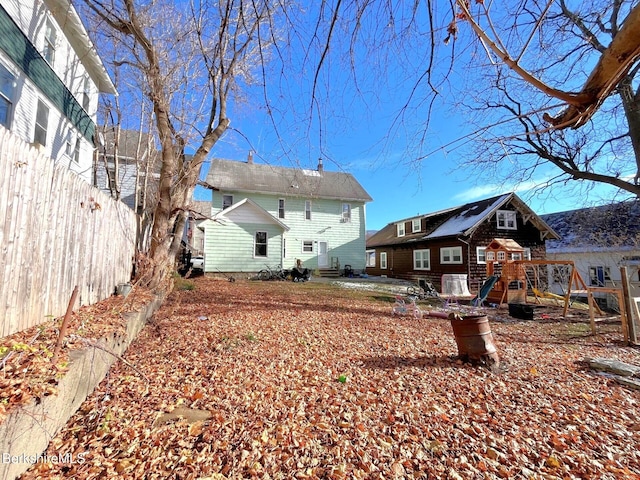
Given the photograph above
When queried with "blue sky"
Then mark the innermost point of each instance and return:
(371, 126)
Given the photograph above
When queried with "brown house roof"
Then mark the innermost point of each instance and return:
(252, 177)
(459, 221)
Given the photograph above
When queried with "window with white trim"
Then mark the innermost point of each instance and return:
(502, 256)
(506, 220)
(346, 212)
(490, 256)
(7, 89)
(260, 248)
(400, 227)
(371, 258)
(307, 246)
(281, 208)
(599, 275)
(383, 260)
(307, 210)
(76, 150)
(50, 34)
(42, 123)
(422, 259)
(481, 255)
(451, 255)
(527, 253)
(227, 201)
(415, 225)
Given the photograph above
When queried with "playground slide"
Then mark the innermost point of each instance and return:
(538, 293)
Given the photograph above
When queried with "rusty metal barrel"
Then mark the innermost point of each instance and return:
(474, 339)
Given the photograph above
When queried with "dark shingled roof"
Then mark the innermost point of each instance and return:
(230, 175)
(614, 226)
(458, 221)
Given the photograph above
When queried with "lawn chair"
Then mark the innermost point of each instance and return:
(486, 287)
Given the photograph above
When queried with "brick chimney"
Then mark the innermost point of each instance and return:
(250, 157)
(320, 166)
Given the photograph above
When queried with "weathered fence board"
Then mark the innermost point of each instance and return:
(56, 232)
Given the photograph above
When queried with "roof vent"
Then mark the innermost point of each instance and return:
(250, 157)
(320, 166)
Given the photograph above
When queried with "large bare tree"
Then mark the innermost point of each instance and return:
(189, 59)
(518, 134)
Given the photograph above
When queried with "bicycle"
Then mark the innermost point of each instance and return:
(423, 293)
(275, 273)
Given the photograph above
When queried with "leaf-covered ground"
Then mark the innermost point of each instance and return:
(313, 381)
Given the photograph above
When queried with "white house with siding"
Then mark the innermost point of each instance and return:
(266, 215)
(50, 79)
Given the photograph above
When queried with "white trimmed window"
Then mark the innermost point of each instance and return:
(42, 123)
(527, 253)
(227, 201)
(451, 255)
(307, 210)
(260, 248)
(371, 258)
(502, 256)
(415, 225)
(400, 227)
(76, 150)
(490, 256)
(281, 208)
(421, 260)
(7, 89)
(506, 220)
(383, 260)
(307, 246)
(481, 255)
(50, 34)
(86, 94)
(346, 212)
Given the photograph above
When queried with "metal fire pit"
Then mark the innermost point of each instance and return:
(474, 339)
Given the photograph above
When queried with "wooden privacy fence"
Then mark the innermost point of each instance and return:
(56, 232)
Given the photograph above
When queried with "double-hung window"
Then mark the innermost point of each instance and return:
(281, 208)
(506, 220)
(481, 255)
(307, 210)
(415, 225)
(50, 34)
(451, 255)
(260, 248)
(421, 260)
(383, 260)
(7, 89)
(42, 122)
(371, 258)
(307, 246)
(400, 227)
(227, 201)
(346, 212)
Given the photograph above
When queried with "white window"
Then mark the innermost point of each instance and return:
(371, 258)
(599, 275)
(7, 89)
(480, 255)
(507, 220)
(42, 122)
(400, 227)
(451, 255)
(307, 210)
(502, 256)
(307, 246)
(76, 150)
(415, 225)
(490, 256)
(516, 256)
(281, 208)
(383, 260)
(49, 51)
(227, 201)
(346, 212)
(260, 249)
(421, 260)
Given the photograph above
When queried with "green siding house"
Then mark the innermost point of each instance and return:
(265, 215)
